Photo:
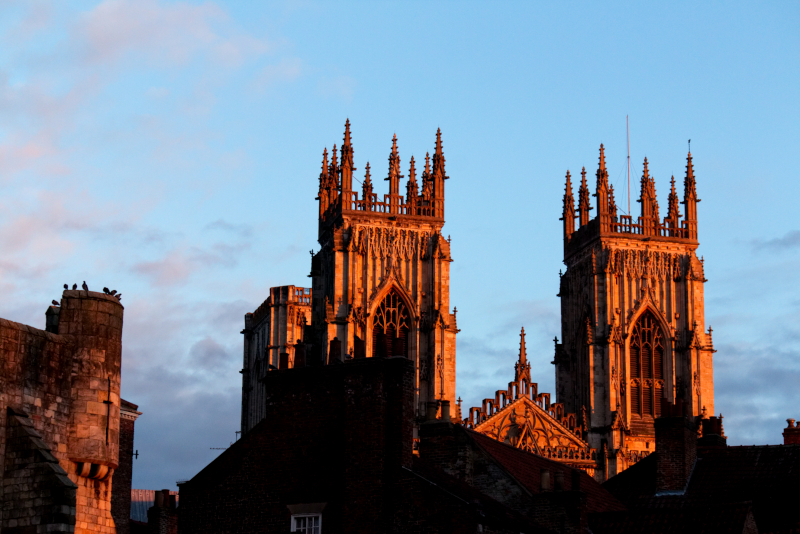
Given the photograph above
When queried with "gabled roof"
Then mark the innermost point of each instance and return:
(526, 468)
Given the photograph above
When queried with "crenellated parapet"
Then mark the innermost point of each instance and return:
(607, 222)
(336, 195)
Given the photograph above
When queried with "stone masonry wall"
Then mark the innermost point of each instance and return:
(67, 384)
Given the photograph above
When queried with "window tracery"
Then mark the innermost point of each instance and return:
(647, 367)
(390, 327)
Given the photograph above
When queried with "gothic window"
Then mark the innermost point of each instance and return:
(647, 367)
(390, 327)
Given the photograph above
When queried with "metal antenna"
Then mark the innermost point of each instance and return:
(628, 133)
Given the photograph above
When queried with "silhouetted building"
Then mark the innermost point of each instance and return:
(702, 485)
(336, 451)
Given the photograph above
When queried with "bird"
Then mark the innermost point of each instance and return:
(74, 286)
(66, 286)
(119, 297)
(113, 292)
(84, 286)
(105, 290)
(55, 303)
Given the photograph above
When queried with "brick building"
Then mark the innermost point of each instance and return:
(336, 451)
(60, 422)
(701, 485)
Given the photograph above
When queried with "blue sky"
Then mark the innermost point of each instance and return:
(171, 150)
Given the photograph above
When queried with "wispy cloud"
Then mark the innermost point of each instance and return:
(791, 240)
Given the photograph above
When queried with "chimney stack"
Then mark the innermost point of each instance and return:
(791, 434)
(676, 452)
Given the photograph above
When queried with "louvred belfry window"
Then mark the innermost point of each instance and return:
(390, 327)
(647, 367)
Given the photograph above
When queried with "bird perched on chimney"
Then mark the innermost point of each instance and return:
(84, 286)
(55, 303)
(105, 290)
(113, 292)
(66, 286)
(119, 297)
(74, 286)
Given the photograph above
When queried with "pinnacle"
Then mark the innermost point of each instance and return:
(347, 132)
(602, 158)
(438, 140)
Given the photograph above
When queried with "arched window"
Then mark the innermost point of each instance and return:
(647, 367)
(390, 327)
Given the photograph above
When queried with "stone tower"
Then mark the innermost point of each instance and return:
(381, 279)
(632, 317)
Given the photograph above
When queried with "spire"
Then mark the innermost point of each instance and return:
(394, 169)
(412, 190)
(650, 218)
(690, 200)
(438, 155)
(322, 196)
(367, 189)
(333, 170)
(438, 177)
(568, 213)
(602, 166)
(601, 192)
(347, 160)
(583, 200)
(673, 212)
(427, 186)
(323, 176)
(522, 370)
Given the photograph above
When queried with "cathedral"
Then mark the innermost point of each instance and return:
(633, 339)
(380, 284)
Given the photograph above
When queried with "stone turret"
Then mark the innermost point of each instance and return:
(93, 323)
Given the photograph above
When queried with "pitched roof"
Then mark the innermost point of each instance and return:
(766, 476)
(484, 505)
(527, 467)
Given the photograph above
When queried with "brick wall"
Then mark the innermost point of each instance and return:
(676, 452)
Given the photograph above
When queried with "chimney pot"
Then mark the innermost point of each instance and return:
(432, 407)
(446, 410)
(545, 480)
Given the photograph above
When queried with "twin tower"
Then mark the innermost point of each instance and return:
(633, 330)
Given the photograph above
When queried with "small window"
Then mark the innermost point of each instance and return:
(307, 523)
